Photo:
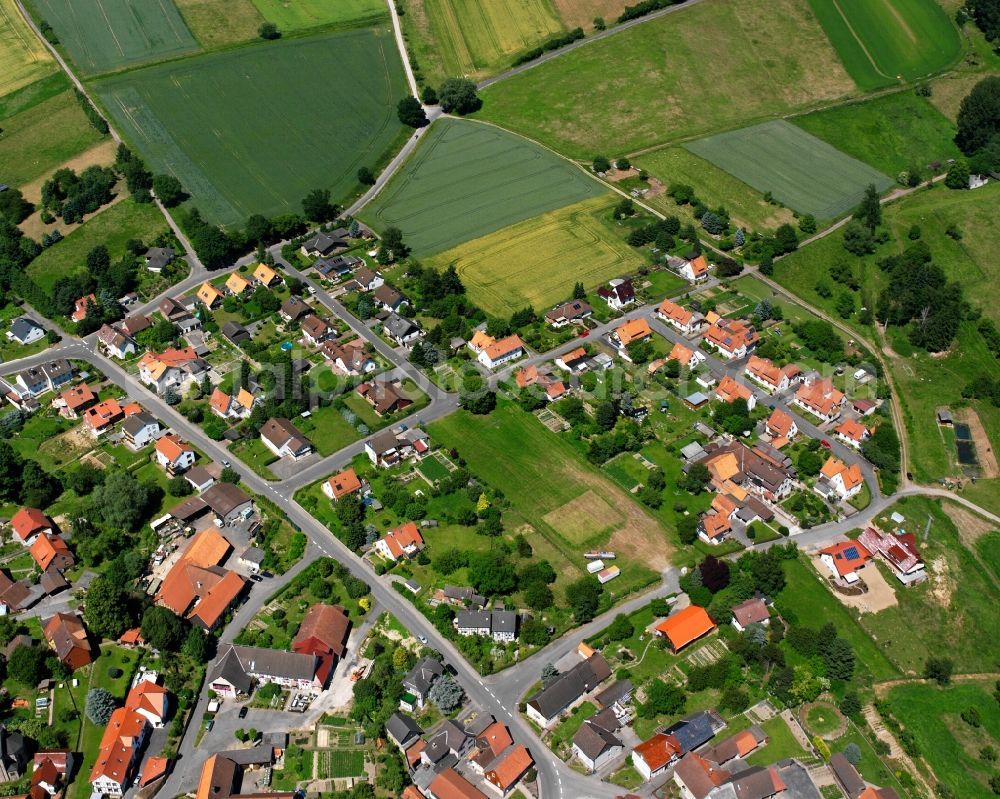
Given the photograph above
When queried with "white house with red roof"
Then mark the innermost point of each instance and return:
(845, 559)
(732, 337)
(771, 377)
(899, 552)
(686, 321)
(618, 293)
(781, 425)
(838, 478)
(119, 755)
(695, 269)
(403, 542)
(852, 433)
(499, 352)
(29, 523)
(174, 455)
(820, 398)
(342, 484)
(149, 699)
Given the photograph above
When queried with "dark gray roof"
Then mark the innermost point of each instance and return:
(254, 756)
(449, 739)
(567, 688)
(846, 775)
(504, 621)
(22, 326)
(464, 595)
(696, 729)
(274, 662)
(593, 740)
(158, 257)
(253, 555)
(134, 424)
(614, 692)
(325, 242)
(235, 332)
(398, 326)
(473, 619)
(402, 729)
(224, 498)
(422, 675)
(229, 668)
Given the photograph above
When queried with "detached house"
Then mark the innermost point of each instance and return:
(315, 330)
(82, 306)
(685, 356)
(714, 528)
(208, 295)
(898, 552)
(385, 398)
(230, 407)
(595, 744)
(366, 279)
(49, 376)
(237, 285)
(618, 294)
(351, 358)
(73, 401)
(115, 344)
(632, 331)
(389, 447)
(293, 309)
(25, 330)
(419, 680)
(686, 321)
(29, 523)
(120, 752)
(695, 270)
(573, 361)
(385, 296)
(171, 368)
(507, 771)
(819, 397)
(103, 416)
(752, 611)
(852, 433)
(569, 688)
(732, 338)
(729, 390)
(501, 625)
(265, 276)
(568, 313)
(50, 550)
(403, 542)
(157, 258)
(284, 439)
(343, 484)
(781, 427)
(69, 639)
(845, 559)
(840, 480)
(400, 330)
(174, 455)
(325, 243)
(150, 700)
(499, 352)
(140, 429)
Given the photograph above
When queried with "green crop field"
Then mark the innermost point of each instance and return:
(103, 35)
(474, 38)
(23, 58)
(536, 262)
(467, 180)
(891, 133)
(292, 15)
(217, 23)
(884, 41)
(253, 130)
(43, 126)
(801, 171)
(656, 83)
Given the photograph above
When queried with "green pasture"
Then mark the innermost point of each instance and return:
(882, 42)
(253, 130)
(801, 171)
(467, 180)
(891, 133)
(105, 35)
(302, 14)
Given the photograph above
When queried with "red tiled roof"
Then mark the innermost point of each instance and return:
(28, 522)
(848, 556)
(509, 770)
(686, 625)
(345, 483)
(658, 750)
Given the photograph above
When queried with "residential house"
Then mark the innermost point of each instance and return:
(695, 269)
(685, 356)
(569, 688)
(402, 730)
(69, 639)
(172, 368)
(460, 596)
(25, 330)
(852, 433)
(652, 757)
(389, 447)
(418, 681)
(14, 597)
(139, 430)
(323, 633)
(502, 776)
(48, 376)
(29, 523)
(384, 397)
(573, 361)
(847, 776)
(385, 296)
(81, 307)
(315, 330)
(73, 401)
(103, 416)
(818, 396)
(491, 743)
(568, 313)
(229, 774)
(839, 480)
(366, 279)
(618, 294)
(228, 406)
(898, 552)
(714, 528)
(502, 351)
(265, 276)
(631, 331)
(173, 309)
(697, 776)
(208, 295)
(174, 455)
(733, 338)
(736, 470)
(14, 754)
(401, 330)
(772, 378)
(351, 358)
(51, 550)
(115, 344)
(686, 321)
(237, 285)
(752, 611)
(238, 668)
(150, 700)
(729, 390)
(865, 407)
(324, 243)
(235, 333)
(293, 309)
(224, 500)
(157, 258)
(740, 745)
(501, 625)
(120, 752)
(404, 541)
(201, 477)
(685, 627)
(595, 743)
(695, 730)
(343, 484)
(845, 559)
(135, 324)
(533, 376)
(445, 746)
(449, 784)
(781, 426)
(284, 439)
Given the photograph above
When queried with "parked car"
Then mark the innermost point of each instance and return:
(243, 712)
(824, 443)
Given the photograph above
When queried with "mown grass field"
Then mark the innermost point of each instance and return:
(473, 38)
(542, 475)
(23, 58)
(301, 14)
(253, 130)
(104, 35)
(111, 227)
(747, 207)
(891, 133)
(536, 262)
(467, 180)
(950, 746)
(884, 41)
(801, 171)
(217, 23)
(43, 126)
(655, 83)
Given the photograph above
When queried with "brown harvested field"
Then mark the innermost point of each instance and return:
(581, 13)
(642, 538)
(217, 23)
(102, 154)
(583, 518)
(35, 228)
(984, 448)
(970, 525)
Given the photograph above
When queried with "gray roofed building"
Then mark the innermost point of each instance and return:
(158, 257)
(325, 243)
(454, 594)
(337, 265)
(403, 730)
(199, 477)
(235, 332)
(692, 452)
(25, 330)
(449, 739)
(135, 323)
(400, 329)
(52, 581)
(696, 729)
(229, 669)
(595, 746)
(846, 775)
(618, 692)
(547, 704)
(289, 669)
(226, 500)
(420, 678)
(252, 557)
(13, 755)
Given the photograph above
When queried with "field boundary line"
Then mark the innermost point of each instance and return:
(861, 44)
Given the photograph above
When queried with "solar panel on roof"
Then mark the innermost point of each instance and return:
(852, 553)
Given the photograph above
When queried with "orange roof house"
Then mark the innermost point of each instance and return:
(852, 432)
(729, 390)
(75, 399)
(323, 633)
(217, 600)
(681, 354)
(69, 639)
(118, 755)
(340, 485)
(675, 314)
(731, 337)
(846, 480)
(652, 756)
(198, 579)
(766, 372)
(715, 527)
(103, 415)
(844, 559)
(405, 540)
(80, 307)
(633, 330)
(698, 267)
(155, 768)
(237, 284)
(51, 550)
(449, 784)
(264, 274)
(820, 398)
(480, 341)
(503, 350)
(685, 626)
(781, 425)
(508, 771)
(150, 700)
(30, 522)
(209, 294)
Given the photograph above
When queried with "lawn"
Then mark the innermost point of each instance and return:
(891, 133)
(23, 58)
(655, 83)
(882, 42)
(781, 744)
(302, 14)
(951, 746)
(954, 610)
(467, 180)
(217, 23)
(714, 187)
(474, 38)
(105, 35)
(43, 127)
(112, 227)
(563, 733)
(988, 547)
(256, 455)
(328, 430)
(801, 171)
(537, 261)
(204, 119)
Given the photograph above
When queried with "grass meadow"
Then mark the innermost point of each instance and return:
(890, 133)
(23, 58)
(801, 171)
(105, 35)
(218, 23)
(253, 130)
(43, 127)
(882, 42)
(657, 82)
(303, 14)
(467, 180)
(537, 261)
(473, 38)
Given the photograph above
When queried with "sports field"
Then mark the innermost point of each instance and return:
(103, 35)
(474, 38)
(253, 130)
(23, 58)
(890, 133)
(467, 180)
(536, 262)
(801, 171)
(658, 82)
(292, 15)
(217, 23)
(885, 41)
